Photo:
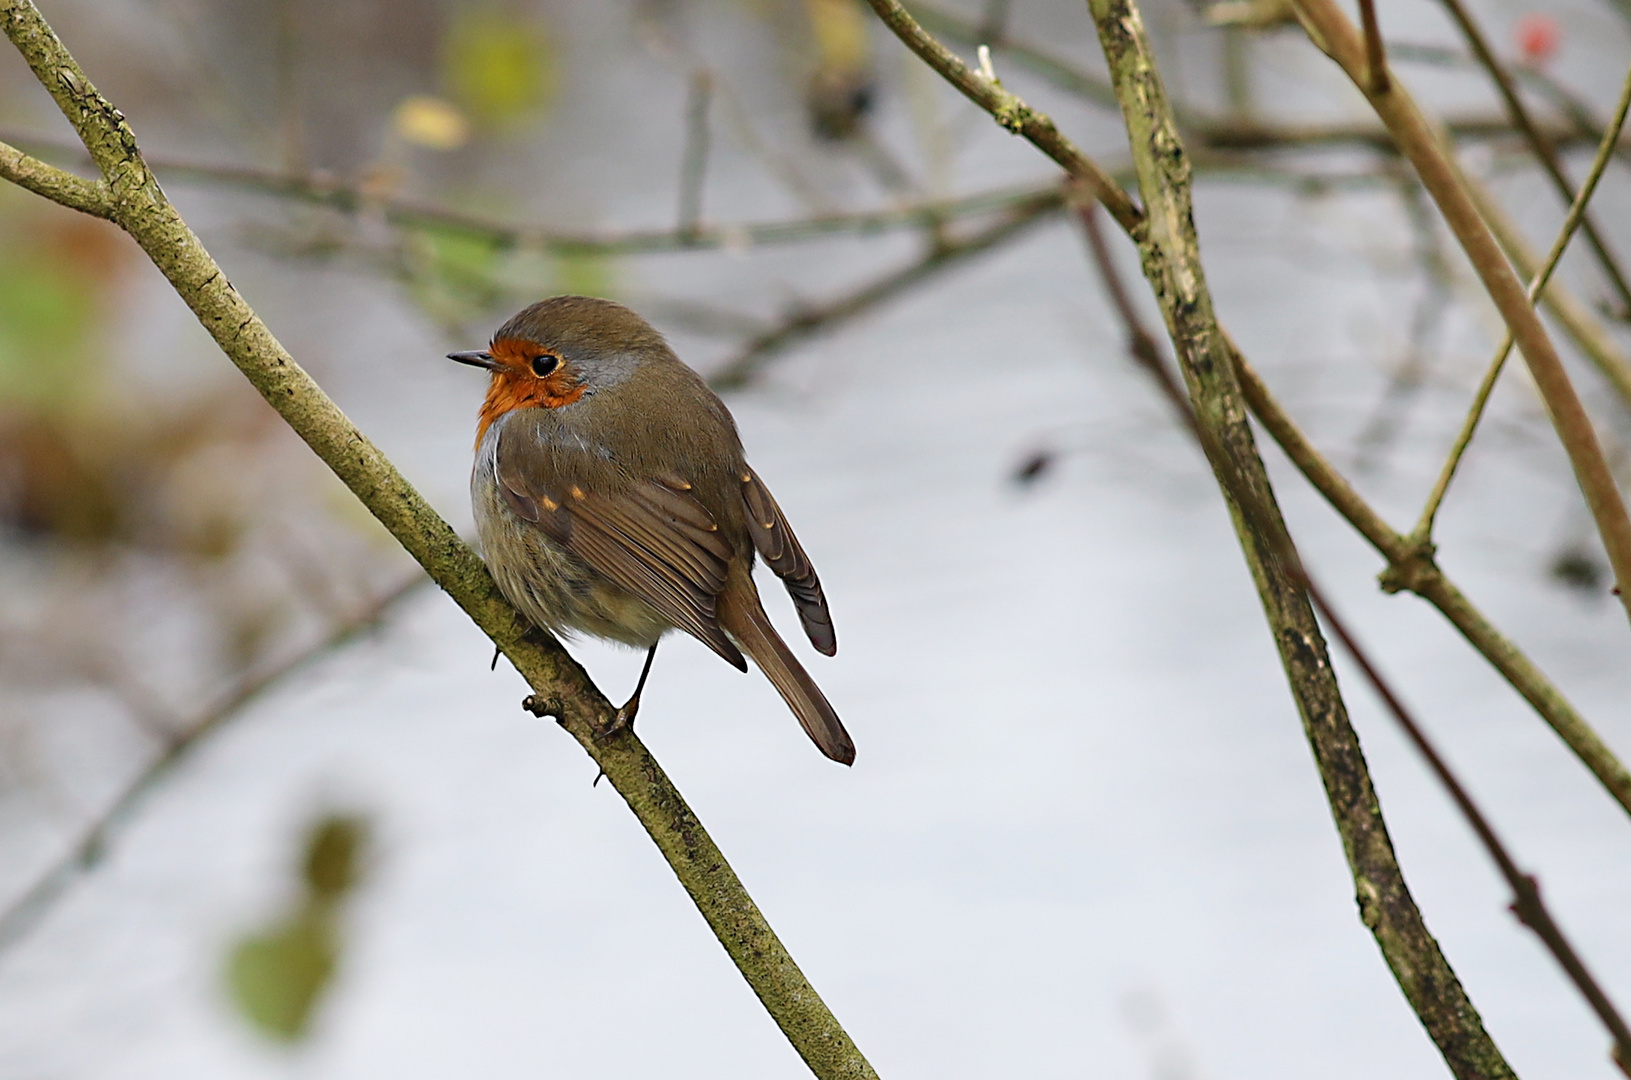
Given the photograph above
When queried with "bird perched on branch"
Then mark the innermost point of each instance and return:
(612, 498)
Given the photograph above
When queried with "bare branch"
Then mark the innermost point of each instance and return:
(1336, 36)
(1526, 902)
(1544, 152)
(1376, 76)
(1412, 567)
(1170, 254)
(1576, 218)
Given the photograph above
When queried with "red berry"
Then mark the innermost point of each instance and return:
(1538, 38)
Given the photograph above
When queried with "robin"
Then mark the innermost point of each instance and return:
(611, 498)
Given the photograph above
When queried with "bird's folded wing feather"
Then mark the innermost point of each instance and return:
(781, 551)
(649, 537)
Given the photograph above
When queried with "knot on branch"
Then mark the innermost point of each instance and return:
(541, 706)
(1413, 571)
(1369, 901)
(1012, 113)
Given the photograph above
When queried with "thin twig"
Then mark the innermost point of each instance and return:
(941, 257)
(1526, 902)
(30, 907)
(1576, 218)
(1336, 36)
(1544, 152)
(1578, 320)
(352, 199)
(1010, 112)
(694, 165)
(1375, 57)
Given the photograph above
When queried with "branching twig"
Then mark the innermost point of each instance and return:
(26, 911)
(1012, 113)
(1412, 567)
(563, 688)
(1336, 36)
(1576, 219)
(1376, 76)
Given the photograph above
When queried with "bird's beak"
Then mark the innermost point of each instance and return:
(476, 358)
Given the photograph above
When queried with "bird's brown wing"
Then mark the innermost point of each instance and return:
(650, 537)
(781, 551)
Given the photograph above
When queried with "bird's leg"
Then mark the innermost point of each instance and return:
(625, 715)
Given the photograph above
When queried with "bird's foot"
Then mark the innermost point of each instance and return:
(623, 720)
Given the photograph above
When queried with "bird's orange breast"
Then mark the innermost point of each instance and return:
(516, 387)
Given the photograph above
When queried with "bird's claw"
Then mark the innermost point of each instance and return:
(623, 720)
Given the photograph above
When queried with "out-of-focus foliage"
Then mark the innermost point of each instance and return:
(431, 122)
(277, 976)
(841, 86)
(500, 67)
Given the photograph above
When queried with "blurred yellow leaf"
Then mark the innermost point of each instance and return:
(840, 34)
(431, 122)
(499, 67)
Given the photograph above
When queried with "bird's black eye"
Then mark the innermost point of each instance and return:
(545, 364)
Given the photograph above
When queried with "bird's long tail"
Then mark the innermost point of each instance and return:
(744, 617)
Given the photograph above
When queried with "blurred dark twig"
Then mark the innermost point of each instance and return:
(943, 255)
(694, 165)
(181, 738)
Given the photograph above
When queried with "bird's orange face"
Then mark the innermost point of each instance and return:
(525, 375)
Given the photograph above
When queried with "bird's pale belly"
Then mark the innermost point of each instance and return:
(548, 584)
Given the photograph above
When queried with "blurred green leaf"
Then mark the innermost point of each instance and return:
(276, 978)
(334, 856)
(46, 313)
(498, 66)
(452, 276)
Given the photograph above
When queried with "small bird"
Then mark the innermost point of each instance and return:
(612, 498)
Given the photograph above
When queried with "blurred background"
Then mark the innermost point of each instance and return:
(265, 811)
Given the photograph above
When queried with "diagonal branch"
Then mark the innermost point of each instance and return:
(1545, 153)
(563, 688)
(1337, 37)
(943, 256)
(1575, 219)
(1412, 567)
(1169, 250)
(1527, 903)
